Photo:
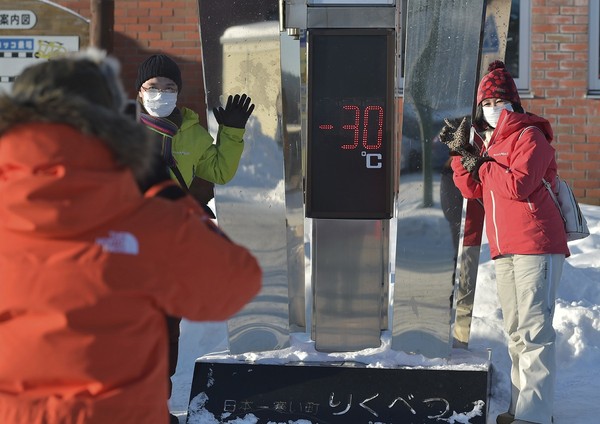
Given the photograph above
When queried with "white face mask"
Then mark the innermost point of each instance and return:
(159, 104)
(492, 113)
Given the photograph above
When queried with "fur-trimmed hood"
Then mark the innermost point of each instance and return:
(68, 165)
(126, 139)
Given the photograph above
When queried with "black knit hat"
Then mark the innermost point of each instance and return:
(158, 65)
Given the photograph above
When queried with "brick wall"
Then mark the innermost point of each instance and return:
(559, 65)
(559, 72)
(145, 27)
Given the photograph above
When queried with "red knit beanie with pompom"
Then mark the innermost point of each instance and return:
(498, 84)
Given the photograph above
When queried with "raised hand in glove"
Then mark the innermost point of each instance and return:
(472, 163)
(455, 135)
(236, 113)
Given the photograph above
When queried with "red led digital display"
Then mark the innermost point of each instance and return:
(349, 130)
(361, 118)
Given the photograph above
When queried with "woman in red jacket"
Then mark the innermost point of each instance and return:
(88, 265)
(525, 232)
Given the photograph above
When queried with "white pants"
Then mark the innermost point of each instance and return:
(526, 290)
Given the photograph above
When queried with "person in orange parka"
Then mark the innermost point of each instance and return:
(89, 266)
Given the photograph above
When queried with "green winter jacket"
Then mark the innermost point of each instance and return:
(196, 155)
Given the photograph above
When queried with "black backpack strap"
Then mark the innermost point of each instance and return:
(179, 177)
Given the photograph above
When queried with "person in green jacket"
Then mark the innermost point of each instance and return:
(187, 147)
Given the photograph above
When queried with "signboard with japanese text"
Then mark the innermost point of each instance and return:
(17, 19)
(335, 394)
(19, 52)
(31, 31)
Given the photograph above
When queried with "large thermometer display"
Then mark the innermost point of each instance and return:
(350, 116)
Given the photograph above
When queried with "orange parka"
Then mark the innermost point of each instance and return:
(89, 268)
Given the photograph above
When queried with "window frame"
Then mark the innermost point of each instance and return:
(523, 81)
(594, 49)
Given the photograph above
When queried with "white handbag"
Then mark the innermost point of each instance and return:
(575, 224)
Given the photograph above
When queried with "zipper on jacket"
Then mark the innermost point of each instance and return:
(494, 221)
(529, 203)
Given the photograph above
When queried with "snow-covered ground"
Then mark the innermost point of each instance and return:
(577, 322)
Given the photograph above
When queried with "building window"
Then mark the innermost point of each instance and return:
(518, 42)
(594, 71)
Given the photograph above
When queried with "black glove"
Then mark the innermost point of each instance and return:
(472, 163)
(455, 135)
(236, 112)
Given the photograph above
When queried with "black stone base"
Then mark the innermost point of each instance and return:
(325, 393)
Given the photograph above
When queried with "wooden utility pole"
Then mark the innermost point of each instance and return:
(102, 24)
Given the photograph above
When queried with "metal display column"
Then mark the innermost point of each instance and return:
(349, 170)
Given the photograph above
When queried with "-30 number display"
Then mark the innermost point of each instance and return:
(350, 124)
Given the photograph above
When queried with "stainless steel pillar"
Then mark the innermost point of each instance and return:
(350, 263)
(241, 54)
(293, 147)
(497, 17)
(442, 44)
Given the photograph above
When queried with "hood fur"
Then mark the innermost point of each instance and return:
(127, 139)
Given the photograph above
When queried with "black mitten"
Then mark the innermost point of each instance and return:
(236, 112)
(472, 163)
(455, 135)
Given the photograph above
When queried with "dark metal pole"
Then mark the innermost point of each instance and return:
(102, 24)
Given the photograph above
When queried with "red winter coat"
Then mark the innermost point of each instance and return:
(474, 223)
(88, 270)
(521, 217)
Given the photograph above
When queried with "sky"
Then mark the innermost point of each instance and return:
(576, 320)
